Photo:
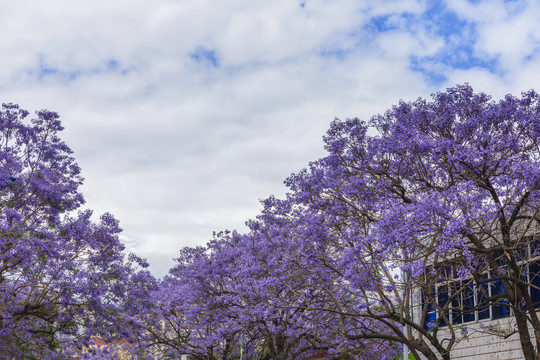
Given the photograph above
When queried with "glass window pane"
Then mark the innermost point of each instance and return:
(431, 317)
(442, 299)
(534, 280)
(499, 310)
(468, 303)
(455, 292)
(535, 248)
(500, 257)
(431, 314)
(522, 252)
(482, 295)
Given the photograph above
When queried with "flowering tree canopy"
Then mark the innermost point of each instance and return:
(63, 277)
(445, 192)
(417, 227)
(241, 297)
(417, 223)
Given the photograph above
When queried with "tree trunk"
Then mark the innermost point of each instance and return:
(537, 336)
(423, 348)
(525, 336)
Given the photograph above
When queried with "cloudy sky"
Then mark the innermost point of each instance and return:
(184, 113)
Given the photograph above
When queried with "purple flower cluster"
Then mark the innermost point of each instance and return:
(63, 277)
(349, 262)
(376, 246)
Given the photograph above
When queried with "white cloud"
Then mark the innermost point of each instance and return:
(508, 31)
(177, 148)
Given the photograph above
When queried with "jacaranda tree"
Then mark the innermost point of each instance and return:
(219, 303)
(63, 277)
(419, 228)
(425, 221)
(243, 297)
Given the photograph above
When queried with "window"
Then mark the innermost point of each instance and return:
(462, 301)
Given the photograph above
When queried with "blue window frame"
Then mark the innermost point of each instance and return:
(534, 280)
(466, 301)
(482, 295)
(431, 312)
(498, 308)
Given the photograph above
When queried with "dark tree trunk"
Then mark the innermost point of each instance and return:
(525, 336)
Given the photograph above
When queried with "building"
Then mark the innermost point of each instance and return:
(474, 312)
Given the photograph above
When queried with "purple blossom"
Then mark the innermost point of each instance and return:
(64, 278)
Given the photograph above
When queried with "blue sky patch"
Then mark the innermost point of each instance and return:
(458, 51)
(459, 36)
(112, 64)
(382, 23)
(441, 21)
(422, 66)
(339, 54)
(203, 56)
(45, 71)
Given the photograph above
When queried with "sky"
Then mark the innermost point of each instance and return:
(183, 114)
